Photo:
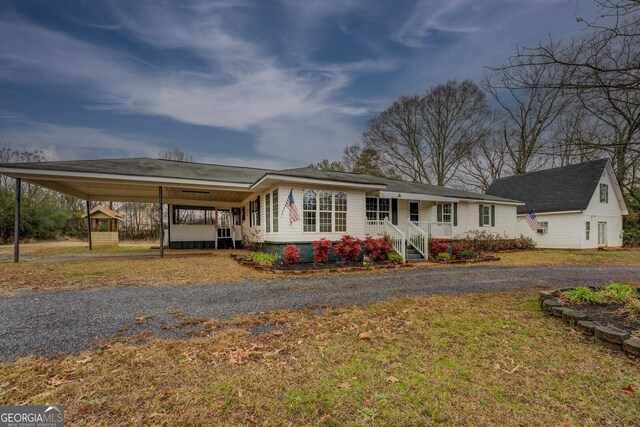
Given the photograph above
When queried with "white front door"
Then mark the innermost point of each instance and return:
(224, 223)
(602, 234)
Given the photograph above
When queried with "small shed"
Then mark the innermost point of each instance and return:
(104, 226)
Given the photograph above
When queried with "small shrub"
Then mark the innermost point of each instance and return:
(437, 246)
(253, 241)
(366, 261)
(467, 253)
(443, 256)
(458, 248)
(291, 254)
(632, 307)
(377, 249)
(394, 257)
(263, 258)
(321, 250)
(579, 294)
(617, 292)
(348, 248)
(485, 241)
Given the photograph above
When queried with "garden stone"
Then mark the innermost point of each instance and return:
(611, 335)
(548, 304)
(558, 310)
(573, 316)
(587, 327)
(545, 295)
(632, 346)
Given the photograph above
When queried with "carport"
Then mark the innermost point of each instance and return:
(136, 180)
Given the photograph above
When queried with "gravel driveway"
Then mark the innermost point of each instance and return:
(71, 321)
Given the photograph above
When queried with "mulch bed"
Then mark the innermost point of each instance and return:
(607, 314)
(468, 261)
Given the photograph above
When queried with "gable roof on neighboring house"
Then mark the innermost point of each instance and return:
(562, 189)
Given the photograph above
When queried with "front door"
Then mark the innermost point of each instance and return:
(602, 234)
(414, 212)
(224, 223)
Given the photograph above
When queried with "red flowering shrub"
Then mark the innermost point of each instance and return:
(348, 248)
(291, 254)
(377, 249)
(438, 246)
(458, 248)
(321, 250)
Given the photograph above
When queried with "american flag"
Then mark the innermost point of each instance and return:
(294, 216)
(532, 221)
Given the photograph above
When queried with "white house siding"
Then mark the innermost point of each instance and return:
(565, 230)
(356, 218)
(603, 212)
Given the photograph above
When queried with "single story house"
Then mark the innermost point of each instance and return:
(575, 207)
(215, 206)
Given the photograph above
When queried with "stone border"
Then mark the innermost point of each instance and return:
(467, 261)
(610, 337)
(270, 269)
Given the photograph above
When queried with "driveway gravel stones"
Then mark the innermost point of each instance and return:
(72, 321)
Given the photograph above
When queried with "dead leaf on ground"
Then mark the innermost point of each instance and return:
(365, 336)
(85, 360)
(628, 390)
(344, 385)
(391, 379)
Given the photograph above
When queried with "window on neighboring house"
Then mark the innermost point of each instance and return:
(309, 207)
(543, 227)
(587, 230)
(193, 216)
(274, 202)
(267, 210)
(324, 211)
(604, 193)
(378, 209)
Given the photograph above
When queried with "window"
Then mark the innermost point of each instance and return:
(543, 227)
(267, 208)
(340, 200)
(604, 193)
(274, 201)
(254, 212)
(309, 206)
(324, 211)
(193, 216)
(377, 209)
(414, 212)
(446, 212)
(486, 215)
(587, 230)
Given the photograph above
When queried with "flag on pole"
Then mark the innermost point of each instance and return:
(290, 204)
(532, 221)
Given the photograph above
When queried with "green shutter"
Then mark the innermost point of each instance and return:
(394, 211)
(258, 209)
(439, 213)
(455, 214)
(493, 215)
(481, 222)
(250, 212)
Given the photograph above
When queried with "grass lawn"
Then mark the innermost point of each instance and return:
(484, 359)
(556, 257)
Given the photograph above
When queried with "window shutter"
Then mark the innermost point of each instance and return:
(250, 212)
(493, 215)
(258, 209)
(455, 214)
(394, 211)
(481, 211)
(439, 213)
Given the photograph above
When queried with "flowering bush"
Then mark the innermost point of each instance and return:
(348, 248)
(291, 254)
(458, 248)
(438, 246)
(377, 249)
(321, 250)
(485, 241)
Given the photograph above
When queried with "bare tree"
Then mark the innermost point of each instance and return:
(485, 163)
(327, 165)
(176, 154)
(425, 138)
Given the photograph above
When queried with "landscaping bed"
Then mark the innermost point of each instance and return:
(611, 314)
(466, 260)
(310, 267)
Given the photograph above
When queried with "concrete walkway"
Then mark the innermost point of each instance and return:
(71, 321)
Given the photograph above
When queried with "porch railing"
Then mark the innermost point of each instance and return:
(441, 230)
(386, 228)
(417, 238)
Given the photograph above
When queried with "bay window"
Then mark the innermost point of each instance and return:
(324, 211)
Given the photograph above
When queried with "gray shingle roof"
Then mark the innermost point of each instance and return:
(435, 190)
(330, 175)
(567, 188)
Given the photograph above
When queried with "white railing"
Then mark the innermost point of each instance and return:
(233, 236)
(417, 238)
(442, 230)
(386, 228)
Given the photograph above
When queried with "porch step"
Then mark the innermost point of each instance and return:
(413, 254)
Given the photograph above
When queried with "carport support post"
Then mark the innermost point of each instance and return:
(89, 225)
(16, 230)
(161, 222)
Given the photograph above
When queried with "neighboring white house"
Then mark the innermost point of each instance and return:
(215, 206)
(578, 206)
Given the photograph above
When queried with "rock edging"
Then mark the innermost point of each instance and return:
(610, 337)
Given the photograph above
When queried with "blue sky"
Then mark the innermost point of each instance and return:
(255, 83)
